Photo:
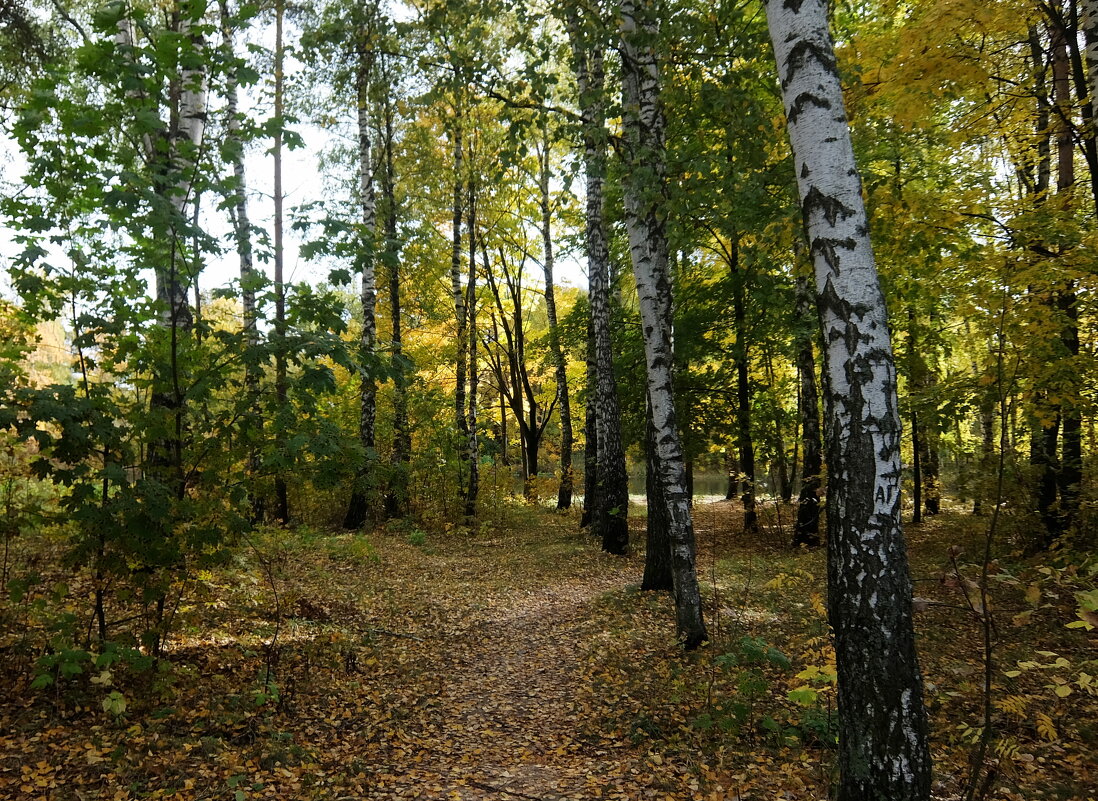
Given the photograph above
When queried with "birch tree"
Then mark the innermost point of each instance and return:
(610, 509)
(358, 509)
(883, 752)
(645, 215)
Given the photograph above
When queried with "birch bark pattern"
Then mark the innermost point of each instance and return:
(645, 200)
(359, 506)
(609, 518)
(883, 752)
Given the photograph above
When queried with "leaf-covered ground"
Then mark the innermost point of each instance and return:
(520, 662)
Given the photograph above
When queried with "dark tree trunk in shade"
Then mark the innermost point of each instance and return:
(883, 741)
(282, 499)
(916, 469)
(806, 531)
(657, 556)
(732, 470)
(396, 492)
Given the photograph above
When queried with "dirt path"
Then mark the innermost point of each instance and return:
(500, 709)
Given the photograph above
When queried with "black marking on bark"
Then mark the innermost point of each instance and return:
(831, 139)
(793, 5)
(803, 52)
(828, 248)
(802, 100)
(832, 208)
(805, 172)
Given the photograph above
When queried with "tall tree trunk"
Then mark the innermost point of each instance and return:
(645, 194)
(472, 444)
(785, 486)
(610, 516)
(252, 424)
(806, 531)
(1071, 462)
(460, 315)
(358, 510)
(743, 392)
(396, 492)
(1045, 429)
(564, 403)
(883, 751)
(282, 501)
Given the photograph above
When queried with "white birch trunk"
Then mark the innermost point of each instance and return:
(645, 199)
(610, 507)
(882, 722)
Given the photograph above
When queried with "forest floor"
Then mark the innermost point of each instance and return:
(519, 662)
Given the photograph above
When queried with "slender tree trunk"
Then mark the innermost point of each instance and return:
(610, 516)
(358, 510)
(396, 493)
(282, 502)
(250, 279)
(883, 751)
(472, 456)
(785, 486)
(645, 200)
(917, 447)
(564, 403)
(1045, 430)
(806, 531)
(1071, 462)
(743, 394)
(460, 315)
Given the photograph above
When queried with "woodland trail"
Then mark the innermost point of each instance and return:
(501, 708)
(515, 662)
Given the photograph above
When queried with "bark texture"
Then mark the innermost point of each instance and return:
(645, 211)
(609, 517)
(883, 753)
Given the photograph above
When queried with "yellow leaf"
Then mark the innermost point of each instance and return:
(1045, 727)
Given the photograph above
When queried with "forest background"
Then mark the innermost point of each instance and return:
(179, 414)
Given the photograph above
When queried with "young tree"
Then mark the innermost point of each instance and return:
(883, 751)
